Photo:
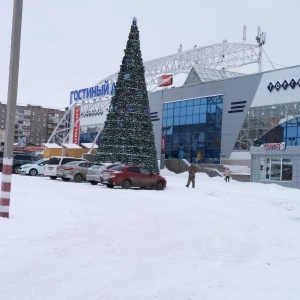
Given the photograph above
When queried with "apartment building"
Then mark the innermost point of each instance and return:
(33, 124)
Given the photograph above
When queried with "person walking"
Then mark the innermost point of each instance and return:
(192, 175)
(227, 174)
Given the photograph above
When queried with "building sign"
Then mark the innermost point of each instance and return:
(165, 80)
(22, 141)
(106, 89)
(274, 146)
(76, 128)
(285, 84)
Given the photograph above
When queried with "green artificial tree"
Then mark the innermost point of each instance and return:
(128, 136)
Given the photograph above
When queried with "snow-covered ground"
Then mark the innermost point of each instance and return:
(219, 241)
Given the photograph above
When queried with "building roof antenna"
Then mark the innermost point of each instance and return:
(180, 48)
(261, 40)
(244, 33)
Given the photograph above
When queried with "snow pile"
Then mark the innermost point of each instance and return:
(220, 240)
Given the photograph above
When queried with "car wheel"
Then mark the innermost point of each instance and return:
(159, 185)
(77, 178)
(16, 169)
(33, 172)
(53, 177)
(93, 182)
(110, 186)
(65, 179)
(126, 184)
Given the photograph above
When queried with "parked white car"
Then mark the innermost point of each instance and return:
(93, 175)
(34, 169)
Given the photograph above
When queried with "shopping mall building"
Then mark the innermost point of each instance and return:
(219, 115)
(214, 116)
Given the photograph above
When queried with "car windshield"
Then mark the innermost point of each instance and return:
(112, 166)
(39, 161)
(54, 161)
(117, 168)
(96, 166)
(104, 166)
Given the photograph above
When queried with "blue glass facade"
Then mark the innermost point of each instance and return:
(192, 129)
(288, 132)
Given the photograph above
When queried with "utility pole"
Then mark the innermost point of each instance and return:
(11, 108)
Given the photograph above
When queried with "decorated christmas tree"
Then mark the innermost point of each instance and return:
(128, 135)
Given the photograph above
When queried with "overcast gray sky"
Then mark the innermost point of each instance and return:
(69, 45)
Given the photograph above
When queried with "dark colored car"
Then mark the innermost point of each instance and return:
(19, 159)
(132, 176)
(22, 159)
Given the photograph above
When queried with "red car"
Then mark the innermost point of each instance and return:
(132, 176)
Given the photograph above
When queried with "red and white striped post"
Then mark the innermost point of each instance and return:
(11, 108)
(5, 187)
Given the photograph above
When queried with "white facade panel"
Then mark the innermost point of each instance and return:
(264, 97)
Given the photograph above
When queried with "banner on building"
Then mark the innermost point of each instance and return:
(165, 80)
(76, 128)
